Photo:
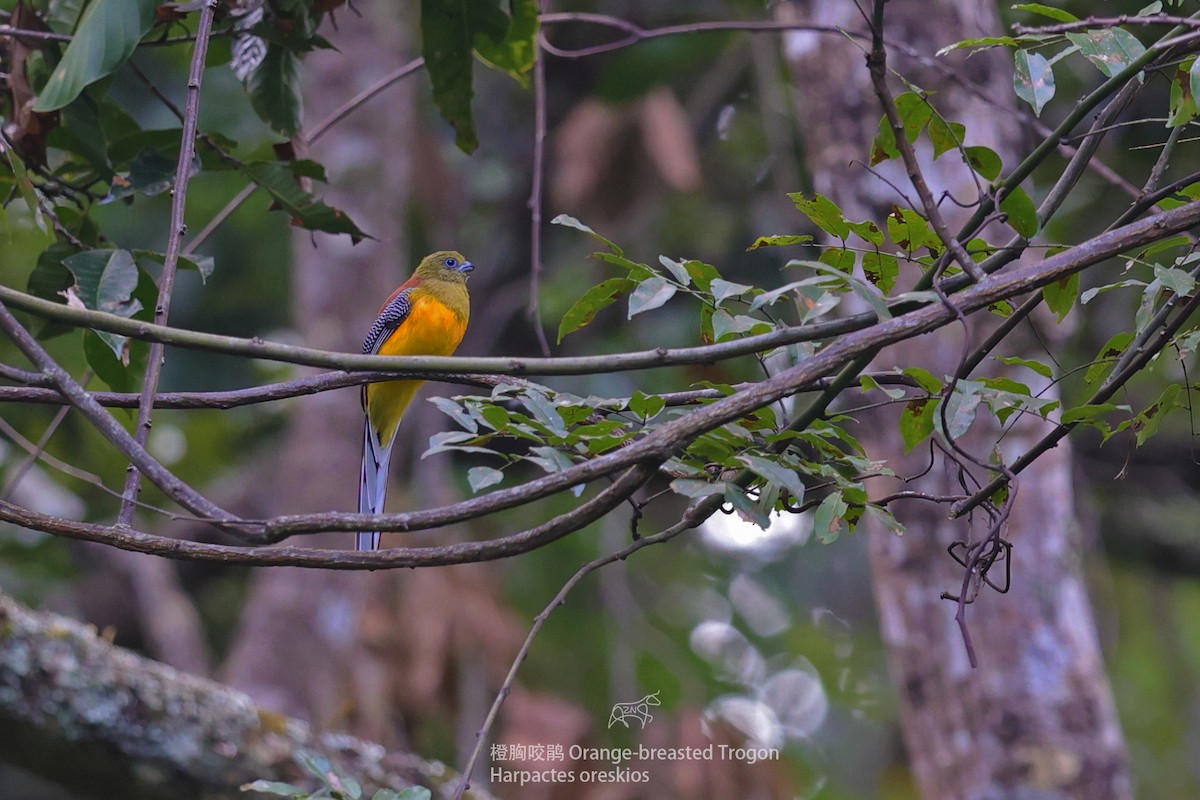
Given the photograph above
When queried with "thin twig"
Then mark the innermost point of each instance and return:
(323, 127)
(535, 196)
(166, 281)
(106, 424)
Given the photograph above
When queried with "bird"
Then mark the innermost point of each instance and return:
(426, 316)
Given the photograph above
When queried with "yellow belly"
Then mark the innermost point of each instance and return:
(432, 329)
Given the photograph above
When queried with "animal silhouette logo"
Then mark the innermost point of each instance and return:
(638, 711)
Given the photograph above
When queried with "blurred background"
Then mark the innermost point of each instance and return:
(683, 146)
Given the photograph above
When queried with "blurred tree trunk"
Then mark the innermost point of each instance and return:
(1037, 717)
(299, 647)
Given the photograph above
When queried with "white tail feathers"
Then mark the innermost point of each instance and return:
(372, 487)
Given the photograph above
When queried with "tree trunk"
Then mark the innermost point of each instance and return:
(299, 647)
(1036, 719)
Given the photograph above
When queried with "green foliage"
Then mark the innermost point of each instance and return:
(306, 211)
(105, 38)
(1033, 79)
(451, 30)
(334, 785)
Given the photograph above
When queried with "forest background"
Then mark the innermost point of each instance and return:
(688, 135)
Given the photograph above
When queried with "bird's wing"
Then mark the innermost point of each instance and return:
(391, 316)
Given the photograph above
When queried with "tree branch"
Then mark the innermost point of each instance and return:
(103, 721)
(178, 228)
(127, 538)
(108, 426)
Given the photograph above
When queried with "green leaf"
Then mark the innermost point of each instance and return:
(1177, 280)
(884, 147)
(1033, 79)
(306, 210)
(274, 787)
(317, 764)
(868, 384)
(1089, 413)
(677, 270)
(1047, 11)
(105, 281)
(1061, 295)
(1037, 366)
(985, 161)
(915, 112)
(517, 52)
(746, 507)
(909, 230)
(776, 474)
(1184, 85)
(567, 221)
(1146, 423)
(646, 406)
(107, 34)
(122, 367)
(945, 136)
(1106, 358)
(925, 379)
(886, 518)
(274, 88)
(411, 793)
(691, 487)
(702, 274)
(778, 241)
(449, 31)
(982, 41)
(650, 294)
(823, 212)
(961, 409)
(596, 298)
(1021, 212)
(723, 290)
(830, 520)
(1110, 49)
(881, 269)
(916, 423)
(869, 231)
(483, 477)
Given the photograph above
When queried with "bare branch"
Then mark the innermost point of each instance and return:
(166, 281)
(104, 422)
(128, 538)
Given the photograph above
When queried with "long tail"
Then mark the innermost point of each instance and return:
(372, 487)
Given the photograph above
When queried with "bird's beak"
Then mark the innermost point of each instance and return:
(466, 266)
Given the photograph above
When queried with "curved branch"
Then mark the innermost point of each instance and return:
(127, 538)
(106, 424)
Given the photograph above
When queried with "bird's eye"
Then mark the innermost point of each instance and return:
(451, 262)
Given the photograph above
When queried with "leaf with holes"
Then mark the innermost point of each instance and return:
(916, 422)
(830, 520)
(1110, 49)
(1033, 79)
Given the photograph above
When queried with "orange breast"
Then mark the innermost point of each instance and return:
(431, 329)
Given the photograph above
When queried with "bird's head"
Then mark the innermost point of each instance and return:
(445, 265)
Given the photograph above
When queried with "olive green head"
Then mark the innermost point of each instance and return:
(444, 265)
